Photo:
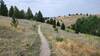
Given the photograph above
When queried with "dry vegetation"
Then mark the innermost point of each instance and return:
(66, 43)
(23, 41)
(68, 20)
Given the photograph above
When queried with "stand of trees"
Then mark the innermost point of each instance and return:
(56, 23)
(14, 11)
(39, 17)
(89, 25)
(79, 14)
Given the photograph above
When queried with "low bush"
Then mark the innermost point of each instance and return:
(14, 22)
(59, 39)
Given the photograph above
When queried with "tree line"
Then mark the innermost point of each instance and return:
(79, 14)
(56, 23)
(88, 25)
(15, 12)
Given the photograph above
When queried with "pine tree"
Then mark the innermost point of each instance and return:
(58, 23)
(51, 21)
(40, 17)
(69, 14)
(11, 11)
(54, 23)
(16, 12)
(48, 21)
(22, 14)
(87, 14)
(63, 26)
(36, 15)
(29, 14)
(3, 8)
(5, 11)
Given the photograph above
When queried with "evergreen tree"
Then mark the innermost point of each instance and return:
(58, 23)
(48, 21)
(36, 15)
(16, 12)
(77, 14)
(11, 11)
(51, 21)
(87, 14)
(40, 17)
(3, 8)
(54, 23)
(69, 14)
(22, 14)
(5, 11)
(29, 14)
(63, 26)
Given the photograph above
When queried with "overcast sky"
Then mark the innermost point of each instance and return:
(57, 7)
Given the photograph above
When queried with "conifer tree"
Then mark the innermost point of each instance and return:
(3, 8)
(22, 14)
(16, 12)
(29, 14)
(40, 17)
(63, 26)
(11, 11)
(58, 23)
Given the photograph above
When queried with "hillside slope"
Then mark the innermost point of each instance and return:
(23, 41)
(68, 20)
(65, 43)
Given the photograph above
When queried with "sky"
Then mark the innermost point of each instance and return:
(51, 8)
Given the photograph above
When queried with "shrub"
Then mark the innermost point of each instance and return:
(59, 39)
(14, 22)
(56, 29)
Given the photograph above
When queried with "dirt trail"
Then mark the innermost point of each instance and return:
(45, 50)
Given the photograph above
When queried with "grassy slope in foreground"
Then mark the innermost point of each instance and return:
(21, 42)
(70, 44)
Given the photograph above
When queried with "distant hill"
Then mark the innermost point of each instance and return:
(68, 20)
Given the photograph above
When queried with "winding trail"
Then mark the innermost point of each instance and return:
(45, 50)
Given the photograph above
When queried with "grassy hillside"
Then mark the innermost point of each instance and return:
(23, 41)
(66, 43)
(68, 20)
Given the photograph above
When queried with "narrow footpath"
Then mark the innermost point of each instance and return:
(45, 50)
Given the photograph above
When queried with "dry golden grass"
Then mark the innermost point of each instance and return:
(72, 44)
(68, 20)
(22, 41)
